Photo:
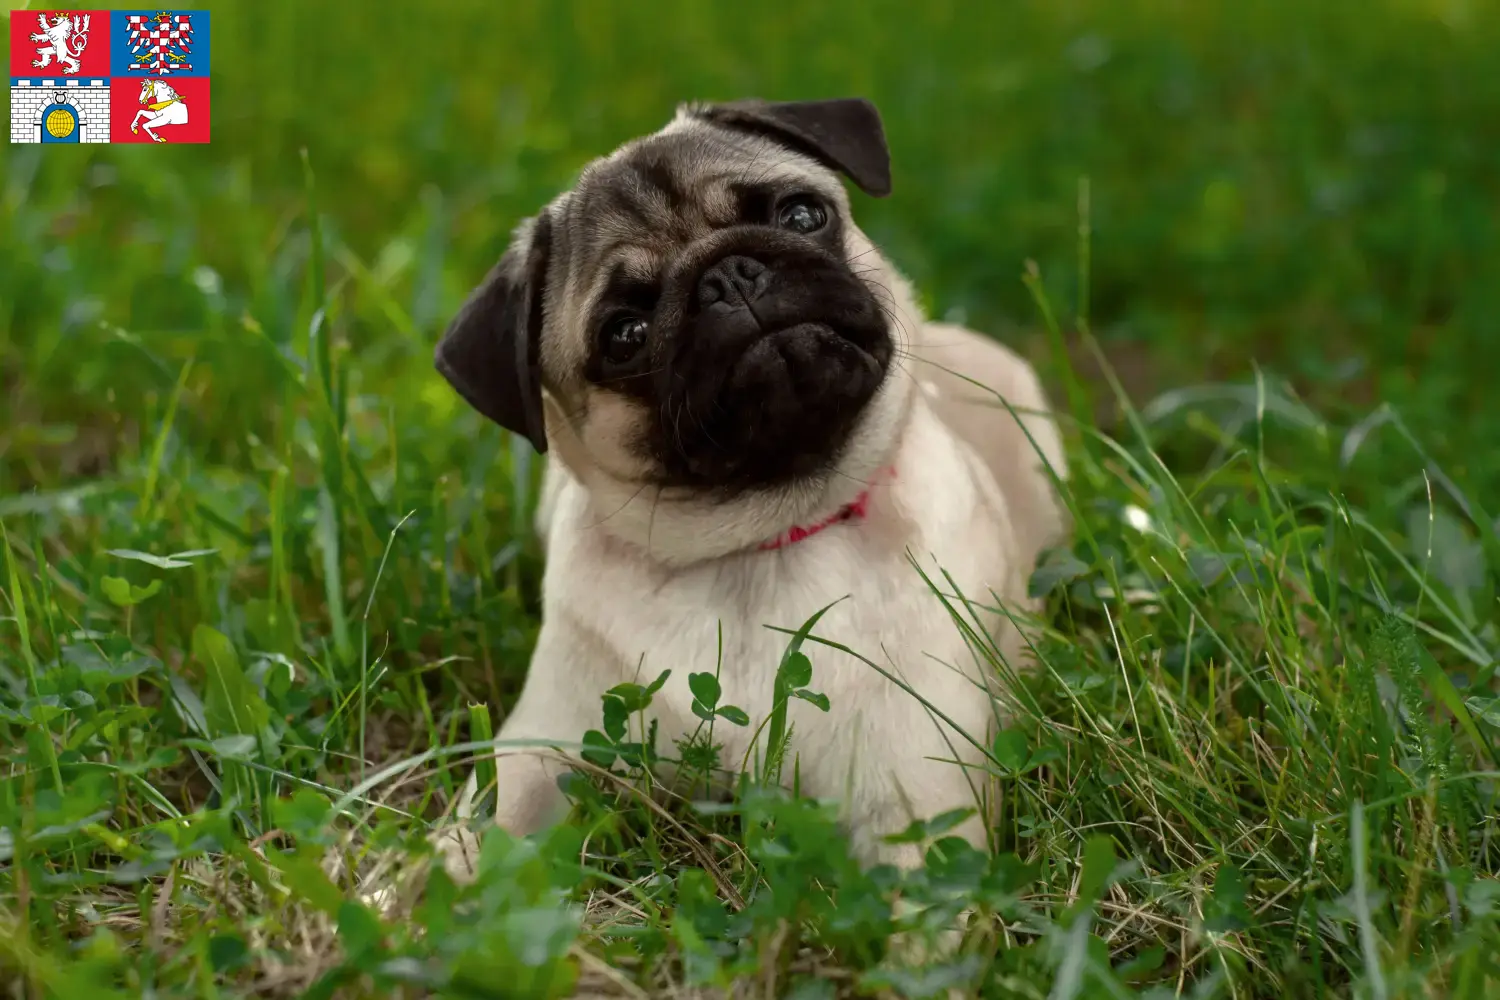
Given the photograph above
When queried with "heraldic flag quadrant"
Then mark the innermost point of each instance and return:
(110, 76)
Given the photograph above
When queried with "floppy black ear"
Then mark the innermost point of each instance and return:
(491, 351)
(843, 134)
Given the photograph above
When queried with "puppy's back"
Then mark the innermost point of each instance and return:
(948, 362)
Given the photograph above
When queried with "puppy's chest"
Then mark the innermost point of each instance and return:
(734, 618)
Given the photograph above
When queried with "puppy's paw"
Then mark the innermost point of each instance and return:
(457, 848)
(920, 945)
(924, 944)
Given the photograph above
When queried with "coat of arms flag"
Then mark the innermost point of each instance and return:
(109, 76)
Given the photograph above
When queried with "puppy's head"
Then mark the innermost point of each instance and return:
(699, 314)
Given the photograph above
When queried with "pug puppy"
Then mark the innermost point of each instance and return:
(748, 420)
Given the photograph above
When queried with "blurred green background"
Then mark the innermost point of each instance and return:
(1311, 187)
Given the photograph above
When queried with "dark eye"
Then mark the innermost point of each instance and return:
(802, 215)
(624, 336)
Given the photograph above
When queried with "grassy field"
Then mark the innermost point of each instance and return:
(264, 581)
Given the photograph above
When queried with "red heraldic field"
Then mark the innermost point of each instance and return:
(175, 109)
(58, 44)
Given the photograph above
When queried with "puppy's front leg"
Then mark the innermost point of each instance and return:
(906, 792)
(527, 798)
(910, 775)
(905, 768)
(551, 710)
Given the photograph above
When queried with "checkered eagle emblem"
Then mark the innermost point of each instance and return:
(160, 43)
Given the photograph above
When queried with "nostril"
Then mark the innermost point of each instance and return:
(711, 289)
(745, 268)
(733, 282)
(749, 275)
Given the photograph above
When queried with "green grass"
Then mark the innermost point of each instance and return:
(266, 581)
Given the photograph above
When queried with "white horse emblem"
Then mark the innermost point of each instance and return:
(68, 35)
(164, 106)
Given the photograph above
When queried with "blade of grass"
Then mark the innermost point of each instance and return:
(159, 445)
(28, 658)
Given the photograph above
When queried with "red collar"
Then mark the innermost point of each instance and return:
(855, 510)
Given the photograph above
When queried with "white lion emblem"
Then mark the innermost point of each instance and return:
(68, 35)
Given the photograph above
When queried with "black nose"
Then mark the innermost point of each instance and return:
(734, 281)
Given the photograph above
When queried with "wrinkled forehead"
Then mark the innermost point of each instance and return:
(633, 209)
